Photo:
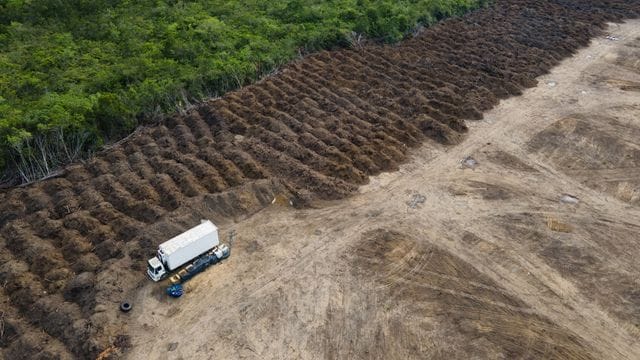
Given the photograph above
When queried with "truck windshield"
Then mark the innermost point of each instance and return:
(151, 270)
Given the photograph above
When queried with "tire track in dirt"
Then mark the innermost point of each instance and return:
(432, 280)
(315, 129)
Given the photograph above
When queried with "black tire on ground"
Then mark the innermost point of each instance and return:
(125, 306)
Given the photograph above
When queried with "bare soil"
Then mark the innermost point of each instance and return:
(530, 254)
(432, 260)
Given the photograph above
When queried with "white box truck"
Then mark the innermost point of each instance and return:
(198, 241)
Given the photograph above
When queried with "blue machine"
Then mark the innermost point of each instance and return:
(175, 290)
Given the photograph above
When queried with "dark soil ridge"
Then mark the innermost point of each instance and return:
(317, 129)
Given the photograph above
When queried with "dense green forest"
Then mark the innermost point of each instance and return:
(75, 74)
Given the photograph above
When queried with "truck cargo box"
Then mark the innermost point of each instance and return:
(190, 244)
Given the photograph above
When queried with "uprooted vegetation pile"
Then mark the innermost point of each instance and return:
(316, 129)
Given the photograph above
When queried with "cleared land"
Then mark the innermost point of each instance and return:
(432, 260)
(441, 261)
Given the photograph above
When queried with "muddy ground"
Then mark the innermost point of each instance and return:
(437, 259)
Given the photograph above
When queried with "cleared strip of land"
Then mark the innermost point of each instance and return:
(441, 261)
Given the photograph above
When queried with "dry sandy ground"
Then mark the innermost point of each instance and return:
(440, 260)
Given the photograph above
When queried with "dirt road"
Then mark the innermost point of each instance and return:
(527, 250)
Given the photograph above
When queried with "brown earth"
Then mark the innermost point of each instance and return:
(73, 247)
(531, 253)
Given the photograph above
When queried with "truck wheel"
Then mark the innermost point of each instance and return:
(125, 306)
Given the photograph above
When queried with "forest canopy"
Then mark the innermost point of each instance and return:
(80, 73)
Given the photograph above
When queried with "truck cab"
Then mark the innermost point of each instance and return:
(155, 269)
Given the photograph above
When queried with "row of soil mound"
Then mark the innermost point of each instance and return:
(317, 129)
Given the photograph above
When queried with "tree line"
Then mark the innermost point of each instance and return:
(76, 74)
